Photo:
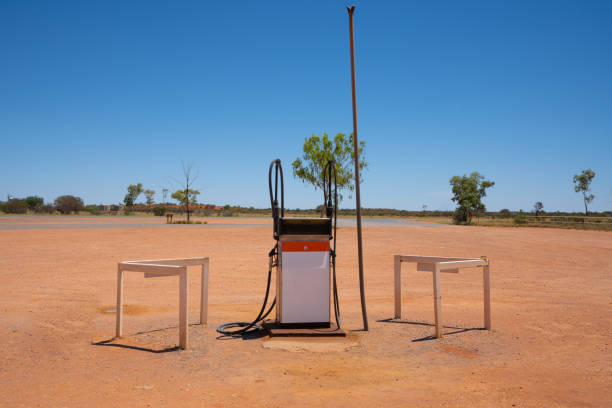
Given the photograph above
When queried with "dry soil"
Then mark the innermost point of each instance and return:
(551, 303)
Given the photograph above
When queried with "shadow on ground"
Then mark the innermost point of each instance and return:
(247, 336)
(109, 343)
(112, 342)
(457, 330)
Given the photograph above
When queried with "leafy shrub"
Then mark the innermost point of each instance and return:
(159, 211)
(505, 213)
(520, 219)
(67, 204)
(93, 209)
(15, 206)
(45, 209)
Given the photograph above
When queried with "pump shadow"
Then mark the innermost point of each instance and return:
(431, 337)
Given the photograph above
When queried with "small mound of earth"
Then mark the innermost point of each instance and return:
(313, 345)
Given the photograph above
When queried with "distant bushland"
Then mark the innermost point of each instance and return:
(14, 206)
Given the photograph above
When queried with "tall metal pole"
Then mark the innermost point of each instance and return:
(364, 313)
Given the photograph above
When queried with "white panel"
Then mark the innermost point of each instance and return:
(305, 287)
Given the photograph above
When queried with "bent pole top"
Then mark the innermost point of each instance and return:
(351, 10)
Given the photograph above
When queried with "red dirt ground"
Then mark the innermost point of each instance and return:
(551, 303)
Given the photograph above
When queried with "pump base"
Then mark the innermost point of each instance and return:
(275, 329)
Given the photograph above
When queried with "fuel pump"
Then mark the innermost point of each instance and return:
(304, 261)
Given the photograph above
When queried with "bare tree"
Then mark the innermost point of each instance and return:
(187, 195)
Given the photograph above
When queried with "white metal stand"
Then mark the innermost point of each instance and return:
(437, 265)
(167, 267)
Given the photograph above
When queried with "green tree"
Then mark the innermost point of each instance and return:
(134, 190)
(538, 206)
(186, 197)
(582, 184)
(67, 204)
(468, 193)
(34, 202)
(150, 195)
(319, 150)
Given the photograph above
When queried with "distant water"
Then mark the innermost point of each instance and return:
(11, 223)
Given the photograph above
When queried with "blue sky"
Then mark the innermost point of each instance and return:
(97, 95)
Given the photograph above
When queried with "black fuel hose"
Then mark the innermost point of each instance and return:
(277, 212)
(254, 326)
(330, 169)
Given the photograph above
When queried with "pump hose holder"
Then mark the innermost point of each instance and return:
(278, 211)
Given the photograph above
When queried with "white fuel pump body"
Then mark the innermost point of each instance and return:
(303, 281)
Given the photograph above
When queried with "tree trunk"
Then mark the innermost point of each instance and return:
(187, 200)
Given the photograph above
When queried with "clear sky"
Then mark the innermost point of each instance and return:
(97, 95)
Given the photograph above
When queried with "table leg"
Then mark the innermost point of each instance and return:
(204, 294)
(486, 279)
(119, 307)
(397, 269)
(437, 300)
(183, 304)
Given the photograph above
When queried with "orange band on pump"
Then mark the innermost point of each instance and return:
(304, 246)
